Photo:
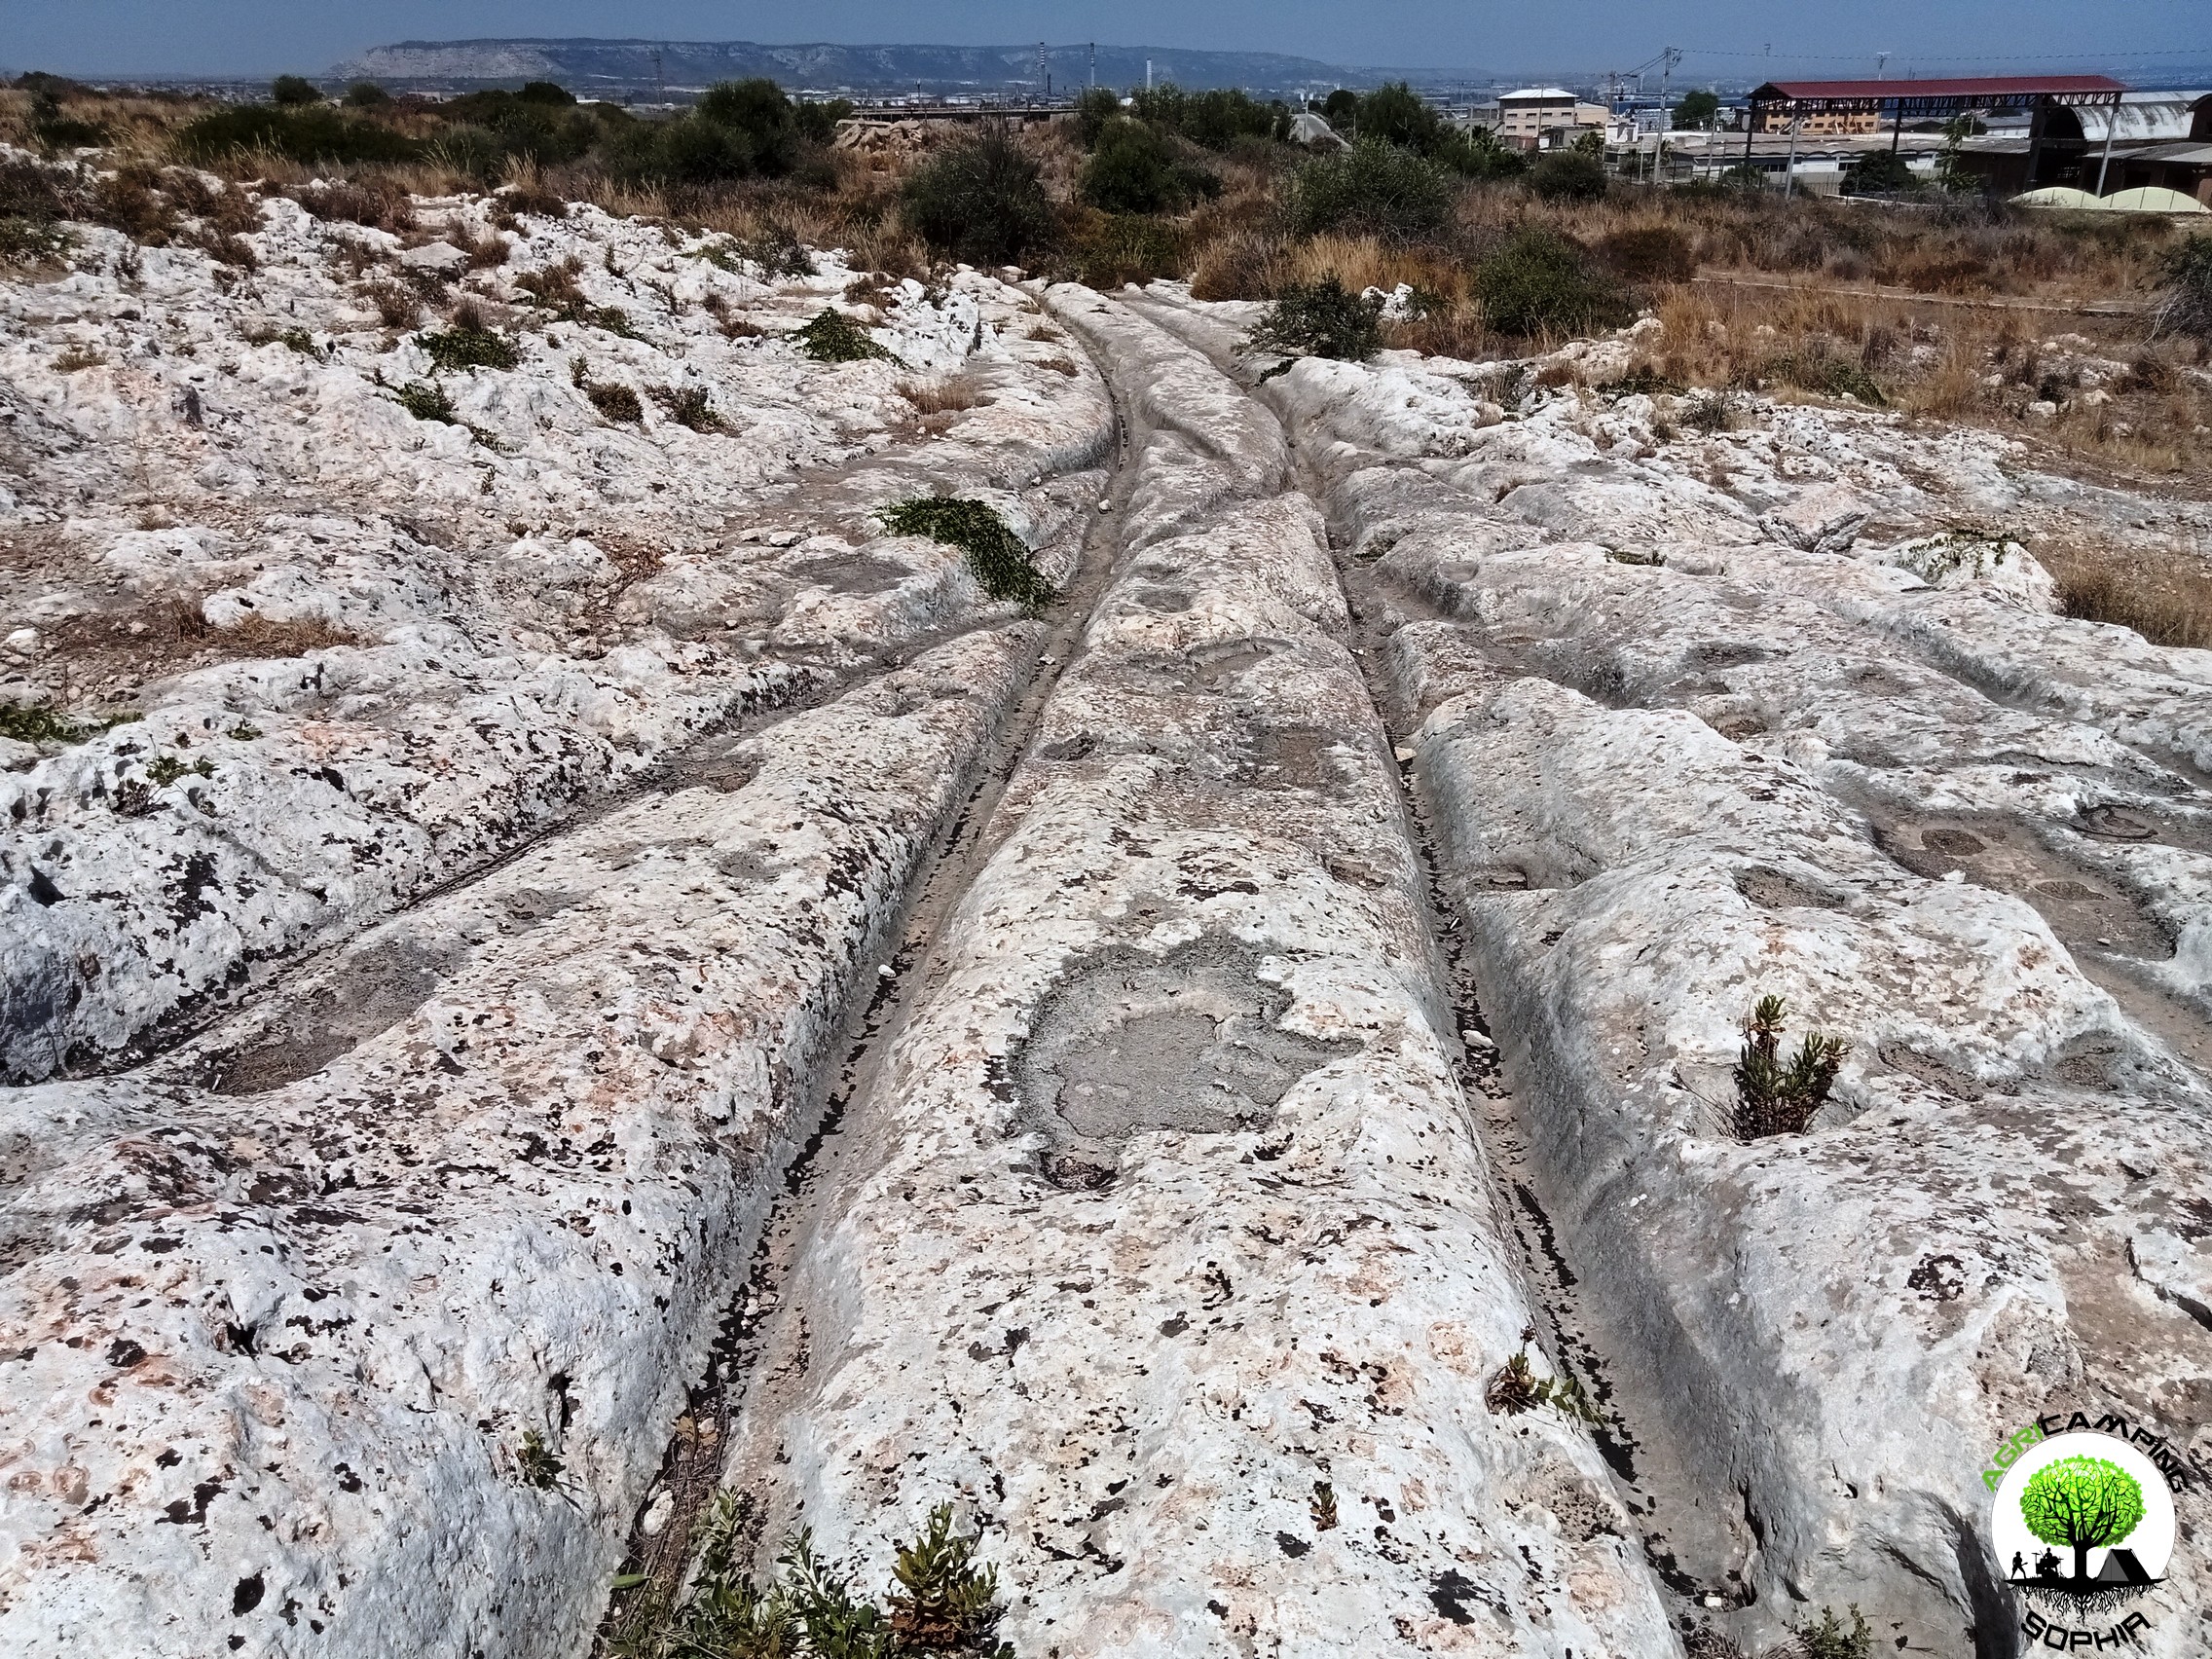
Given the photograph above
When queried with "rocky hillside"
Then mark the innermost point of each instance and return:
(654, 890)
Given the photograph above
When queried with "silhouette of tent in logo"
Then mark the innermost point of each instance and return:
(2121, 1567)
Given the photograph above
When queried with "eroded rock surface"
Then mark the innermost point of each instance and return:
(1164, 1245)
(364, 652)
(544, 797)
(1682, 743)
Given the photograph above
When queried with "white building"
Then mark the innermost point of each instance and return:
(1525, 116)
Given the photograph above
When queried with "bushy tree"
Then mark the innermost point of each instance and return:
(1883, 173)
(292, 90)
(1340, 106)
(1093, 111)
(1321, 319)
(818, 117)
(1568, 175)
(1374, 187)
(1397, 115)
(1695, 109)
(1134, 169)
(981, 201)
(366, 94)
(1539, 282)
(545, 92)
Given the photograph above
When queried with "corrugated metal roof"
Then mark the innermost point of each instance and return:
(1978, 86)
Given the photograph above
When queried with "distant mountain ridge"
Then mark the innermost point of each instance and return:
(615, 67)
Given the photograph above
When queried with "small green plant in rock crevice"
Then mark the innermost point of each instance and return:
(1774, 1098)
(537, 1465)
(462, 347)
(1828, 1640)
(427, 400)
(997, 558)
(1516, 1389)
(43, 722)
(941, 1602)
(836, 338)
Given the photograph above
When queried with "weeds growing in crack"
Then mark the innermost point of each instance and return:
(1774, 1098)
(1516, 1389)
(689, 406)
(43, 722)
(836, 338)
(941, 1602)
(538, 1465)
(427, 400)
(998, 557)
(1322, 1506)
(468, 345)
(1828, 1640)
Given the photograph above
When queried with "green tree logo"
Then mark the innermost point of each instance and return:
(2081, 1504)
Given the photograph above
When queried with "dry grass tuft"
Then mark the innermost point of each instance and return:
(2167, 599)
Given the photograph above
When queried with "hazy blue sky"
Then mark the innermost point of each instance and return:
(1829, 37)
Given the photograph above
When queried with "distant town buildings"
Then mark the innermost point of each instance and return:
(1524, 116)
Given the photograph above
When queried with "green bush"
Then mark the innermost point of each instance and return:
(427, 400)
(463, 347)
(836, 338)
(1480, 153)
(365, 95)
(1826, 374)
(1093, 111)
(1216, 119)
(314, 133)
(1374, 188)
(1321, 319)
(737, 129)
(293, 91)
(1125, 247)
(1774, 1098)
(941, 1601)
(545, 92)
(996, 557)
(1134, 169)
(2185, 304)
(1568, 175)
(1397, 115)
(1539, 282)
(817, 118)
(982, 202)
(1883, 173)
(617, 403)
